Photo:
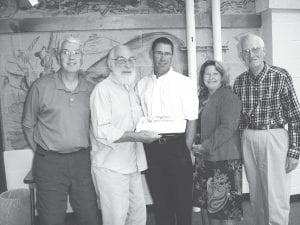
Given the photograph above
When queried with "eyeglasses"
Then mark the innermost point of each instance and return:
(75, 53)
(122, 60)
(160, 53)
(247, 52)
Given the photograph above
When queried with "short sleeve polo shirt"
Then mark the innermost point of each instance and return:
(59, 117)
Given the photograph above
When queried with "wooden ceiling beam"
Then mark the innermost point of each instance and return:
(159, 21)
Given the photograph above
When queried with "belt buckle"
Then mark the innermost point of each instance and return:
(162, 140)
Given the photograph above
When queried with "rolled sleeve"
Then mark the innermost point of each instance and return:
(102, 126)
(293, 153)
(294, 138)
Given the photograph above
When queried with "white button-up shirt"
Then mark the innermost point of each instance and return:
(171, 94)
(115, 108)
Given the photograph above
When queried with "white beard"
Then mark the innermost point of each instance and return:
(126, 79)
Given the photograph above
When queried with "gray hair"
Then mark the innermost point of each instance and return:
(70, 40)
(112, 52)
(251, 36)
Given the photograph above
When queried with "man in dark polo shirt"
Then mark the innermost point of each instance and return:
(56, 126)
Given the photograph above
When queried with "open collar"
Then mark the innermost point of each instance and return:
(81, 87)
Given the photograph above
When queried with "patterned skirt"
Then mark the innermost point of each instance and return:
(218, 188)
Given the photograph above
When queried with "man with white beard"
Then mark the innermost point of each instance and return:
(117, 151)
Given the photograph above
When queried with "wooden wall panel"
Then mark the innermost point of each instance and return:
(124, 22)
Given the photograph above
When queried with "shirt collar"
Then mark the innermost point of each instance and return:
(165, 75)
(259, 76)
(81, 87)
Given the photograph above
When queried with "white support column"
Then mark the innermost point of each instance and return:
(216, 28)
(191, 40)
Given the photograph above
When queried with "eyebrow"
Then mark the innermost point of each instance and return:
(124, 57)
(71, 50)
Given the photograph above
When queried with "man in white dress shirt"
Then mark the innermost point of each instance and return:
(117, 152)
(167, 93)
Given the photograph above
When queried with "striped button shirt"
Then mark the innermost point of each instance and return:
(270, 98)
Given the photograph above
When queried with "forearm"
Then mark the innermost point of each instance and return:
(141, 136)
(190, 133)
(128, 136)
(112, 134)
(30, 137)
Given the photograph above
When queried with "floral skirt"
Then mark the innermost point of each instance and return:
(218, 188)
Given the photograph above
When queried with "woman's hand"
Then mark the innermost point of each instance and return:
(198, 149)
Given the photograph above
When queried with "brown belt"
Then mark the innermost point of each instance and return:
(265, 127)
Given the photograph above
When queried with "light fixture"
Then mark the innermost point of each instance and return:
(33, 2)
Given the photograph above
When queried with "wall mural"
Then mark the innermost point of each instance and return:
(39, 58)
(22, 8)
(28, 56)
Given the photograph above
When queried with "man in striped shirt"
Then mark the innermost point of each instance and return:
(269, 102)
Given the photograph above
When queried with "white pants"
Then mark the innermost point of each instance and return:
(265, 153)
(121, 197)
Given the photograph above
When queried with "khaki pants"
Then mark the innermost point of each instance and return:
(264, 153)
(121, 196)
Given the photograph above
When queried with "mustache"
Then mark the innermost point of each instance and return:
(127, 79)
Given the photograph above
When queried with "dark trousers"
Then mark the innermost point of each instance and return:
(58, 176)
(169, 177)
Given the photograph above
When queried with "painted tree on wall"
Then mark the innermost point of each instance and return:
(39, 58)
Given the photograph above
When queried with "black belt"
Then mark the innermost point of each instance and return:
(265, 127)
(167, 138)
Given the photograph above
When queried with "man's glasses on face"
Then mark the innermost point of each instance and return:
(255, 51)
(122, 60)
(160, 54)
(74, 53)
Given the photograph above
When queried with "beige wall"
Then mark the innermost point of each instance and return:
(281, 32)
(20, 63)
(286, 42)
